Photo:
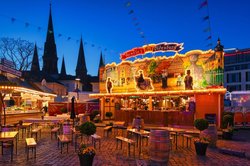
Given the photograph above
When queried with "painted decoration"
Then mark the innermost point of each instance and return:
(163, 73)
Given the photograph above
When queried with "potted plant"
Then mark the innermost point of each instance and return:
(86, 153)
(201, 143)
(227, 129)
(64, 110)
(109, 114)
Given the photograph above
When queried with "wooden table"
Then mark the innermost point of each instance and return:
(139, 134)
(9, 136)
(119, 125)
(24, 126)
(176, 131)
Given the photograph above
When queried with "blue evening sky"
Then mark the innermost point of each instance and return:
(111, 27)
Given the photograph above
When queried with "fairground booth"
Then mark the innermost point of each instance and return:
(164, 90)
(19, 98)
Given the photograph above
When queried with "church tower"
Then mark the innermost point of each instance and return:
(50, 55)
(63, 69)
(219, 55)
(81, 70)
(101, 68)
(35, 67)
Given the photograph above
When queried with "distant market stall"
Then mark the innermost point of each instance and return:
(164, 90)
(19, 98)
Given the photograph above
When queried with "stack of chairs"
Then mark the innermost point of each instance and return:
(247, 119)
(238, 119)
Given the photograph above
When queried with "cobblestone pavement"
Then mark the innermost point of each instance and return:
(48, 154)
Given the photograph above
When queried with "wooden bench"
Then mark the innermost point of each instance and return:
(63, 139)
(54, 131)
(130, 142)
(96, 138)
(107, 129)
(30, 144)
(36, 131)
(117, 132)
(189, 139)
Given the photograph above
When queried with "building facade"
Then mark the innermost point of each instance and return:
(237, 70)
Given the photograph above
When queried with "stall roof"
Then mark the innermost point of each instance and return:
(161, 93)
(20, 85)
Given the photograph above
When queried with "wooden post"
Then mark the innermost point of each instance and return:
(150, 103)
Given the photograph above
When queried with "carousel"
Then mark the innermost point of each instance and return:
(164, 90)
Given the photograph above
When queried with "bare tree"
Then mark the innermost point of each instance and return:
(19, 51)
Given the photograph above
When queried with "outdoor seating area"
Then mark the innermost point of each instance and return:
(133, 145)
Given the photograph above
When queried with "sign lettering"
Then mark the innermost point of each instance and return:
(151, 48)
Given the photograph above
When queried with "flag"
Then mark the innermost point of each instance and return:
(13, 20)
(59, 35)
(207, 29)
(68, 38)
(203, 4)
(205, 18)
(136, 24)
(209, 37)
(27, 24)
(131, 12)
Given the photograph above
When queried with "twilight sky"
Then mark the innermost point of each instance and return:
(115, 26)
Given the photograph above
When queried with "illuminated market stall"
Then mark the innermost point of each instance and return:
(20, 99)
(164, 90)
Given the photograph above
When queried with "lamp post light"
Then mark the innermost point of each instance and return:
(77, 83)
(77, 89)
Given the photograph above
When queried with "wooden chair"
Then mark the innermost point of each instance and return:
(30, 144)
(96, 138)
(54, 131)
(8, 144)
(107, 129)
(63, 139)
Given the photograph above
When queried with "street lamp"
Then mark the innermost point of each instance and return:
(77, 83)
(77, 88)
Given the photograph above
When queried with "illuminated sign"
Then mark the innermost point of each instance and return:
(152, 48)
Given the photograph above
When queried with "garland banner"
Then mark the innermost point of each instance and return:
(151, 48)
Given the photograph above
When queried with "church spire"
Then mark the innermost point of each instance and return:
(101, 64)
(63, 69)
(50, 30)
(81, 70)
(35, 67)
(50, 55)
